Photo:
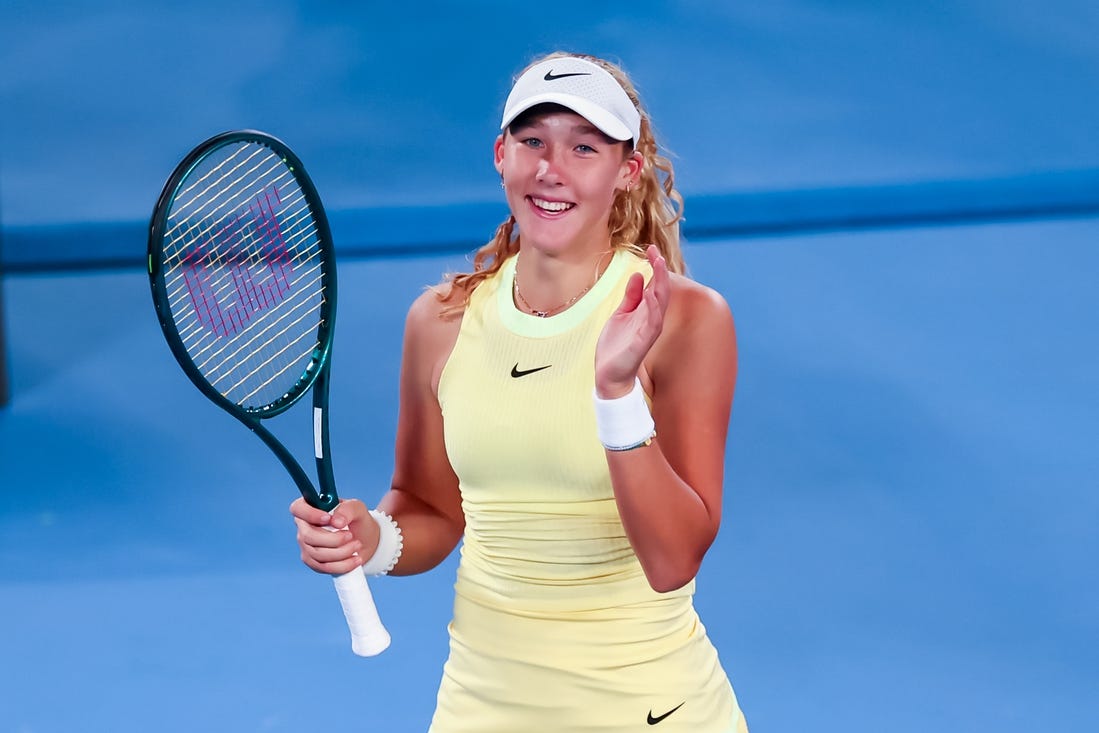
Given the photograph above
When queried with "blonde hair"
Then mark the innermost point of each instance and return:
(648, 213)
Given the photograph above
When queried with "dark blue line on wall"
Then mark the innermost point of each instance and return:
(457, 228)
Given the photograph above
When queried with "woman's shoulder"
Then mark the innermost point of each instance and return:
(433, 317)
(691, 300)
(698, 325)
(698, 321)
(431, 331)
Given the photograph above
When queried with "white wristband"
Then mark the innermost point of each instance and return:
(390, 545)
(624, 423)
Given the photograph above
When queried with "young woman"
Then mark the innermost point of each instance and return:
(563, 410)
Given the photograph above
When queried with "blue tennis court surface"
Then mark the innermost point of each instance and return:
(907, 542)
(912, 489)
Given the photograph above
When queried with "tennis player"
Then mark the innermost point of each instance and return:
(563, 412)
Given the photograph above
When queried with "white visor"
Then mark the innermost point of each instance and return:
(582, 86)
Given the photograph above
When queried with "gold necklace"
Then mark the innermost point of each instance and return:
(557, 309)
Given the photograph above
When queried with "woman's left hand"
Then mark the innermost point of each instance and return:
(632, 329)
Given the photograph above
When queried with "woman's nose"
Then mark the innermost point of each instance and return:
(547, 171)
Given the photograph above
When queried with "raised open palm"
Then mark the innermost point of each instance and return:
(632, 329)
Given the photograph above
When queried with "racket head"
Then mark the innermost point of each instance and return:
(242, 271)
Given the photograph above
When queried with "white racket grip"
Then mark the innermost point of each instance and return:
(368, 635)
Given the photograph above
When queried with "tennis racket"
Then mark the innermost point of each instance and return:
(243, 275)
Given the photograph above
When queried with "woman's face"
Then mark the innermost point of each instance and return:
(561, 175)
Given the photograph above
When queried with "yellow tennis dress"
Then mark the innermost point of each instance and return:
(555, 626)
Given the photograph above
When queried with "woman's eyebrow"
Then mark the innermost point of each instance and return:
(581, 127)
(589, 129)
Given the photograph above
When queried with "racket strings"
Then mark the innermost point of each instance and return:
(295, 241)
(203, 350)
(246, 347)
(219, 359)
(188, 201)
(198, 219)
(245, 276)
(264, 340)
(254, 350)
(301, 241)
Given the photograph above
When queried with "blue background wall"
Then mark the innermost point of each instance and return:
(395, 105)
(909, 534)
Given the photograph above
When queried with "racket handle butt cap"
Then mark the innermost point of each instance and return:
(370, 645)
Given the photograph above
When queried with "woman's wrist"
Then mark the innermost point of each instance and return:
(390, 545)
(613, 390)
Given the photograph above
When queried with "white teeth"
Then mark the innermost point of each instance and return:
(551, 205)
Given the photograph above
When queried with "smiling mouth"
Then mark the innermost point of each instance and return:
(550, 207)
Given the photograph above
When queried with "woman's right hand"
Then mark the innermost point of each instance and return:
(335, 543)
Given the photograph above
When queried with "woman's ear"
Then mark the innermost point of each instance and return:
(498, 154)
(631, 169)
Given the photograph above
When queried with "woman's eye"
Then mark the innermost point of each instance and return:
(585, 148)
(532, 142)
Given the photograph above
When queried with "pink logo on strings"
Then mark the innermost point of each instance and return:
(240, 269)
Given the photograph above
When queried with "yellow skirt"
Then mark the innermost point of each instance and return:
(584, 672)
